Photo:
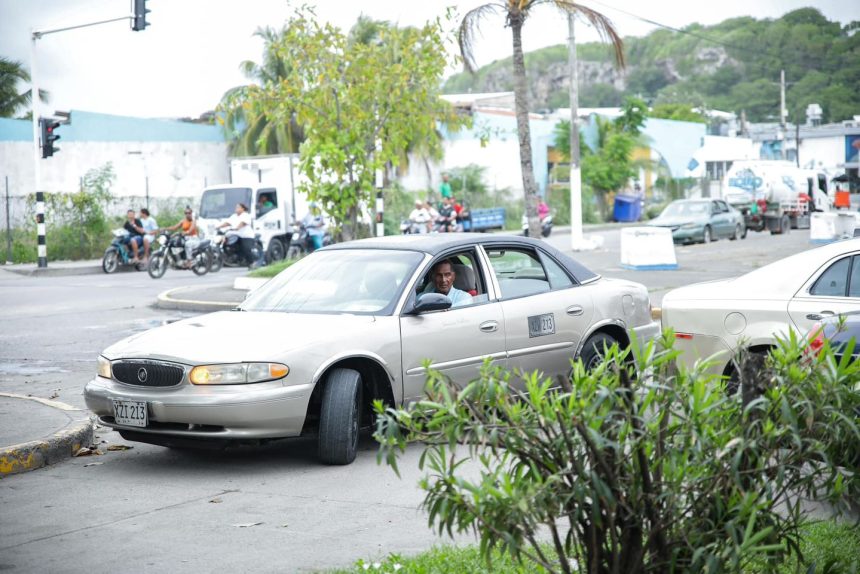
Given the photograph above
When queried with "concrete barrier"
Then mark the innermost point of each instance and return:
(647, 249)
(846, 222)
(822, 227)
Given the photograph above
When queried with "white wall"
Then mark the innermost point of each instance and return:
(174, 169)
(827, 153)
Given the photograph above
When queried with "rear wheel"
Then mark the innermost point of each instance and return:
(706, 234)
(157, 266)
(275, 252)
(294, 252)
(110, 262)
(216, 260)
(737, 233)
(200, 264)
(340, 417)
(594, 350)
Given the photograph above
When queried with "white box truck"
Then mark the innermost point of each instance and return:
(268, 186)
(775, 195)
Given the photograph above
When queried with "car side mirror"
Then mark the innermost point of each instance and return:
(427, 302)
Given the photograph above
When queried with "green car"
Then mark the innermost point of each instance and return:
(701, 221)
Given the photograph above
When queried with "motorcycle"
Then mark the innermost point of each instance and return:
(302, 244)
(119, 253)
(409, 227)
(545, 226)
(171, 253)
(225, 250)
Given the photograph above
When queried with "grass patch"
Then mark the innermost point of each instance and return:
(270, 271)
(824, 543)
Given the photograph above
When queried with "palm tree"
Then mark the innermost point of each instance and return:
(11, 101)
(516, 12)
(250, 131)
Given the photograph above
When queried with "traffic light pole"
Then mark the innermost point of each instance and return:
(138, 18)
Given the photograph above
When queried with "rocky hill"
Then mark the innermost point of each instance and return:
(730, 66)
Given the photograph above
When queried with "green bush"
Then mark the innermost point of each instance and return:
(649, 469)
(559, 205)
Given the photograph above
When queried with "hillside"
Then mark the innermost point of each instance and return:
(732, 66)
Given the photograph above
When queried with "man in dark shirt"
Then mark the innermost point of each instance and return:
(135, 233)
(447, 220)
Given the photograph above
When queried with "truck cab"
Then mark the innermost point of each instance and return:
(269, 209)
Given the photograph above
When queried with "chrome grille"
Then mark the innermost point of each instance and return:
(147, 373)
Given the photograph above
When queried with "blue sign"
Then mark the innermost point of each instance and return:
(746, 179)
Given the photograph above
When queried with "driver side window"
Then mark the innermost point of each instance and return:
(467, 287)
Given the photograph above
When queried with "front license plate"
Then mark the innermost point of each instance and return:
(130, 413)
(540, 325)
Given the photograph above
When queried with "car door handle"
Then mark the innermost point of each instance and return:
(489, 326)
(820, 315)
(575, 310)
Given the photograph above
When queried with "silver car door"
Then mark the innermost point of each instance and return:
(456, 341)
(832, 291)
(546, 313)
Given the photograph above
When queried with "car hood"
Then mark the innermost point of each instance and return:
(676, 221)
(237, 336)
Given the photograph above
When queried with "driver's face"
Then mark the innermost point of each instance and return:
(443, 278)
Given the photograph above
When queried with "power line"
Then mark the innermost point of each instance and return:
(667, 27)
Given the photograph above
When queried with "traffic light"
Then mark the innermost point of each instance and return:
(138, 20)
(48, 128)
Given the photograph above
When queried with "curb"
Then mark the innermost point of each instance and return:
(249, 283)
(34, 454)
(166, 300)
(54, 271)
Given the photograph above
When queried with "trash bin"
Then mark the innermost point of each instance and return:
(627, 208)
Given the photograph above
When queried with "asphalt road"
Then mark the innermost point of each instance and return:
(263, 509)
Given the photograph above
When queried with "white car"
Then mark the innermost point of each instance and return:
(716, 319)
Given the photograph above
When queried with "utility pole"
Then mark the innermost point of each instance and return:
(577, 242)
(782, 114)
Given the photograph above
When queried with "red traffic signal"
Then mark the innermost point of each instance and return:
(48, 128)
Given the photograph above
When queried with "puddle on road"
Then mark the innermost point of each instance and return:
(30, 368)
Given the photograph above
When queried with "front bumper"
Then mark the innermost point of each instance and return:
(682, 235)
(228, 412)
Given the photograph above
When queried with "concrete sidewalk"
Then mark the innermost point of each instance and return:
(37, 432)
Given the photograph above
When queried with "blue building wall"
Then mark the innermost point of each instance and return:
(92, 127)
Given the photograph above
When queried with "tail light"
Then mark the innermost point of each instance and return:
(684, 336)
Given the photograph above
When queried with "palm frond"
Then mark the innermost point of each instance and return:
(600, 22)
(470, 28)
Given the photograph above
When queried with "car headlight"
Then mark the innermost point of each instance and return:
(237, 373)
(690, 226)
(104, 368)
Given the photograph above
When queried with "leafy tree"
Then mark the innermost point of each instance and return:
(679, 112)
(11, 100)
(515, 13)
(360, 105)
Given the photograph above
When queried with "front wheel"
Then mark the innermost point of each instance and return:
(200, 265)
(157, 266)
(216, 260)
(294, 252)
(340, 417)
(706, 234)
(737, 233)
(275, 252)
(594, 350)
(110, 262)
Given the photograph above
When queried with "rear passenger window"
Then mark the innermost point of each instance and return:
(854, 285)
(834, 281)
(518, 271)
(558, 278)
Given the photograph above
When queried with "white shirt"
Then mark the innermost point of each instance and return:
(419, 215)
(246, 231)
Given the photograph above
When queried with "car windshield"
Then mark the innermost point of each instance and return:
(356, 281)
(221, 203)
(684, 208)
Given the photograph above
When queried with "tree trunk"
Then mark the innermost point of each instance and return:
(521, 101)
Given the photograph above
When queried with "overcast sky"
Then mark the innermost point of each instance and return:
(190, 54)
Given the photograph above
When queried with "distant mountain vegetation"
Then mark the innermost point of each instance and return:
(731, 66)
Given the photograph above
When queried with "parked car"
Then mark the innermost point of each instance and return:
(839, 330)
(351, 323)
(714, 320)
(701, 220)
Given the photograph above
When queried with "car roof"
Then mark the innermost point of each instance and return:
(435, 243)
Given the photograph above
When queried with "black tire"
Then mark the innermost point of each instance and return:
(294, 252)
(157, 266)
(216, 260)
(546, 231)
(276, 251)
(110, 262)
(340, 417)
(593, 350)
(744, 234)
(706, 234)
(785, 224)
(737, 234)
(200, 264)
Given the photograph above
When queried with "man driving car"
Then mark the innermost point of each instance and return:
(442, 281)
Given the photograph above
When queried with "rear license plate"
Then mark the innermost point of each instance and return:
(130, 413)
(540, 325)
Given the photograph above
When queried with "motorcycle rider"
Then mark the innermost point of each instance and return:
(315, 224)
(188, 230)
(419, 217)
(241, 225)
(150, 227)
(135, 233)
(447, 220)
